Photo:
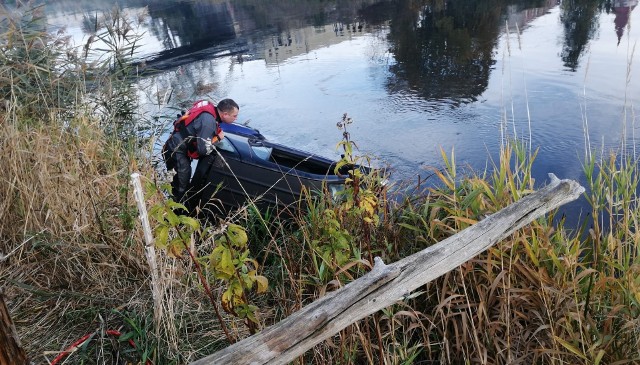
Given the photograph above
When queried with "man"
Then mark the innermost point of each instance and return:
(195, 134)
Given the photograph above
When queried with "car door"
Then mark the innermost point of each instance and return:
(240, 170)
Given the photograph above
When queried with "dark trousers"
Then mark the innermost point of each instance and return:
(179, 161)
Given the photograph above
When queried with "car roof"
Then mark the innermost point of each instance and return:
(254, 134)
(243, 138)
(241, 130)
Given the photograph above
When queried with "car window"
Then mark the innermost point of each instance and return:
(225, 145)
(262, 152)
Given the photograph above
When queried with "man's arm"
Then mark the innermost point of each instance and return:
(206, 131)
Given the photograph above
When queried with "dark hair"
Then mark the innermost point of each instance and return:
(227, 105)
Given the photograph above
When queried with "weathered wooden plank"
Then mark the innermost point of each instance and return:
(11, 353)
(386, 284)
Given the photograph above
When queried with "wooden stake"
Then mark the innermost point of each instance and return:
(150, 251)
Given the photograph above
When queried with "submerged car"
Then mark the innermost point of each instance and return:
(248, 166)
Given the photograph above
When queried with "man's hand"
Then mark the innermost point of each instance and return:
(217, 137)
(209, 146)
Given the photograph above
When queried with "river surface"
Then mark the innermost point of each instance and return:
(416, 76)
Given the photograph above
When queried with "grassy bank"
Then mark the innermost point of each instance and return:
(73, 261)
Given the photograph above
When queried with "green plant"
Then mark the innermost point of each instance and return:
(37, 69)
(361, 205)
(360, 196)
(142, 347)
(110, 55)
(333, 244)
(229, 261)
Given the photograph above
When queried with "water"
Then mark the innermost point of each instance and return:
(415, 76)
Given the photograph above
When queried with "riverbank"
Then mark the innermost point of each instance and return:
(73, 261)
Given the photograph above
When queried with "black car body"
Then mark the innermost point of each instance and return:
(247, 166)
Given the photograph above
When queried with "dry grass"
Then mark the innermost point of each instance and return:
(73, 259)
(66, 249)
(73, 263)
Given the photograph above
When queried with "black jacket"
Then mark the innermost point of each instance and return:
(201, 129)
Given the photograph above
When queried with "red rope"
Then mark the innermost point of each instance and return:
(84, 338)
(70, 348)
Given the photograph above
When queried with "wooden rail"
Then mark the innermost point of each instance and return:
(387, 284)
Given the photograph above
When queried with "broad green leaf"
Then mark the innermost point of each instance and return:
(188, 221)
(237, 235)
(173, 205)
(215, 256)
(154, 210)
(162, 236)
(172, 218)
(225, 266)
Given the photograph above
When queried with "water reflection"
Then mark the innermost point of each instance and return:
(580, 21)
(622, 9)
(192, 25)
(432, 60)
(443, 50)
(192, 31)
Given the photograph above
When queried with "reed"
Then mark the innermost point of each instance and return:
(547, 294)
(70, 255)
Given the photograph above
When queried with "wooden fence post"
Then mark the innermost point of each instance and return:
(149, 249)
(387, 284)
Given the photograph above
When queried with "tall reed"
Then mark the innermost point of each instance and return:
(69, 252)
(546, 294)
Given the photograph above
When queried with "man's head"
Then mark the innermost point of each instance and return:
(228, 110)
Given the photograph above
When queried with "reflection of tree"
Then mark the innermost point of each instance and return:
(189, 31)
(580, 21)
(444, 49)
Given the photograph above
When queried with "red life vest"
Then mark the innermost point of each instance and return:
(180, 124)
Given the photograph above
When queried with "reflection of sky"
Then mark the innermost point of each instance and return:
(556, 95)
(72, 23)
(532, 79)
(563, 103)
